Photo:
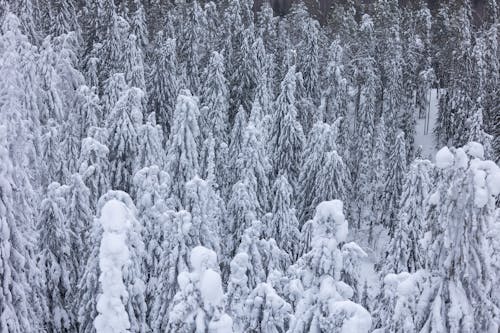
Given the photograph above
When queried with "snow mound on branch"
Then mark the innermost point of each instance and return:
(357, 318)
(113, 256)
(444, 158)
(223, 325)
(474, 149)
(327, 212)
(115, 217)
(211, 287)
(202, 258)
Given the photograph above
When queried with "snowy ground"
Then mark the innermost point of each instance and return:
(424, 131)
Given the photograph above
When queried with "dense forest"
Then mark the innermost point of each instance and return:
(192, 167)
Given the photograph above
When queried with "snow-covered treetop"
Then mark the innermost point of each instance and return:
(486, 174)
(329, 221)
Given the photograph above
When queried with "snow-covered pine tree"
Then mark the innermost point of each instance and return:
(182, 153)
(121, 218)
(79, 215)
(207, 214)
(404, 252)
(163, 82)
(17, 313)
(253, 167)
(287, 138)
(198, 306)
(94, 168)
(54, 261)
(266, 311)
(394, 184)
(324, 305)
(173, 260)
(114, 254)
(124, 123)
(318, 144)
(460, 260)
(150, 141)
(284, 225)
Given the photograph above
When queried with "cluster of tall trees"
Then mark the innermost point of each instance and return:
(190, 167)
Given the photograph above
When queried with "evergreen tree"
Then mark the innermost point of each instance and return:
(404, 253)
(462, 207)
(287, 136)
(123, 124)
(182, 153)
(199, 304)
(324, 305)
(284, 226)
(394, 183)
(54, 260)
(163, 83)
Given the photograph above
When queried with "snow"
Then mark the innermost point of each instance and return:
(326, 211)
(113, 256)
(211, 287)
(202, 258)
(444, 158)
(474, 149)
(223, 325)
(358, 320)
(424, 128)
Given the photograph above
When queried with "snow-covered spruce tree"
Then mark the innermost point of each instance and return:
(133, 67)
(207, 213)
(173, 259)
(286, 135)
(132, 272)
(324, 305)
(461, 259)
(114, 87)
(16, 311)
(162, 79)
(215, 98)
(402, 302)
(198, 306)
(309, 58)
(335, 98)
(394, 184)
(94, 168)
(87, 111)
(139, 25)
(150, 141)
(318, 144)
(332, 180)
(182, 154)
(284, 226)
(79, 214)
(253, 167)
(243, 80)
(241, 212)
(405, 253)
(236, 143)
(54, 261)
(114, 254)
(366, 81)
(215, 103)
(266, 311)
(123, 124)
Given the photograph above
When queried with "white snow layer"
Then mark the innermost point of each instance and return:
(113, 255)
(325, 213)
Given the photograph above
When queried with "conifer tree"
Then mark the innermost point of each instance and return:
(394, 183)
(284, 226)
(462, 209)
(324, 304)
(54, 260)
(287, 136)
(163, 82)
(404, 253)
(123, 124)
(182, 154)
